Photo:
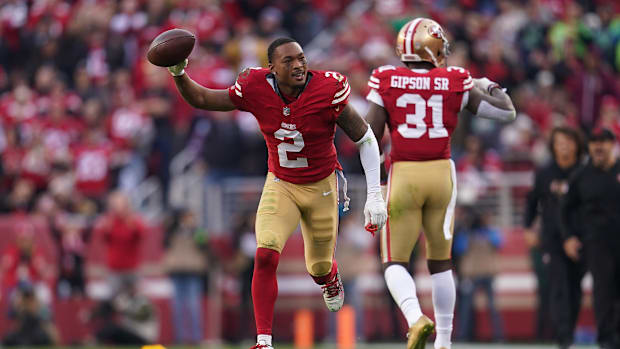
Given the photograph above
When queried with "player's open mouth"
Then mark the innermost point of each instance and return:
(299, 75)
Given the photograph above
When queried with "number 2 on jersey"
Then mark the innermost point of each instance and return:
(417, 118)
(295, 147)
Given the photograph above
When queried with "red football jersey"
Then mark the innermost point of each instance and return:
(92, 167)
(124, 124)
(300, 134)
(422, 107)
(58, 136)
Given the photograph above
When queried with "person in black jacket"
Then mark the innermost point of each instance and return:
(593, 198)
(564, 275)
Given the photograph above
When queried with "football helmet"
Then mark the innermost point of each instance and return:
(422, 40)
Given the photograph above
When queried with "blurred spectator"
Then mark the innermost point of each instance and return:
(131, 130)
(32, 320)
(270, 24)
(478, 168)
(223, 147)
(185, 261)
(476, 248)
(157, 100)
(129, 318)
(610, 114)
(589, 224)
(21, 197)
(122, 231)
(561, 273)
(23, 261)
(589, 84)
(93, 159)
(244, 243)
(70, 242)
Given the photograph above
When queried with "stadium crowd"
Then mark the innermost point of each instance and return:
(84, 115)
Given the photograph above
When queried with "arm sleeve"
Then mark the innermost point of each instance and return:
(369, 156)
(461, 82)
(239, 92)
(341, 94)
(531, 203)
(460, 79)
(569, 209)
(374, 83)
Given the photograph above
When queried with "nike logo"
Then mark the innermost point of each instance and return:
(337, 108)
(325, 193)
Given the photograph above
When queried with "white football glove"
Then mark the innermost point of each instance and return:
(375, 212)
(179, 69)
(485, 84)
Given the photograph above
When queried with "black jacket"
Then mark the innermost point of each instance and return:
(594, 198)
(550, 183)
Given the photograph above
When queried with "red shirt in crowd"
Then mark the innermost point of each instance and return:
(21, 266)
(125, 124)
(57, 136)
(92, 165)
(122, 237)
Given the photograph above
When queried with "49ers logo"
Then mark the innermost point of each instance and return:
(435, 31)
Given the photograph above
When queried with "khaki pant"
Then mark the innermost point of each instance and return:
(421, 195)
(283, 205)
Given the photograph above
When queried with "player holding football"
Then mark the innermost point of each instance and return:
(420, 103)
(297, 110)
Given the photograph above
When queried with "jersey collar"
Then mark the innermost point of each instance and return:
(271, 79)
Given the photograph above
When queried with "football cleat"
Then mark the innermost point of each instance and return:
(419, 332)
(262, 345)
(333, 293)
(422, 40)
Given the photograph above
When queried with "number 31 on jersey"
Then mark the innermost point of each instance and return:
(435, 102)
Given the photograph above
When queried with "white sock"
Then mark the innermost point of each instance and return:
(444, 297)
(401, 286)
(264, 339)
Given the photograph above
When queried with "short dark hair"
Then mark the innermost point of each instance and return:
(274, 45)
(571, 133)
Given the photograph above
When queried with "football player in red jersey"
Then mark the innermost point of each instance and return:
(420, 103)
(297, 110)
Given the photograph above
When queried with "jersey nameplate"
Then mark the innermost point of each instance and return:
(419, 83)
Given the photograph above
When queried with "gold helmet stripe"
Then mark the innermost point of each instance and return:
(410, 33)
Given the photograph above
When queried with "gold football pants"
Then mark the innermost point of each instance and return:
(283, 205)
(421, 195)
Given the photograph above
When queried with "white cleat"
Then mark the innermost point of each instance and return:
(262, 345)
(333, 293)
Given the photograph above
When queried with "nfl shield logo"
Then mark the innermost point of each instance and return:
(286, 111)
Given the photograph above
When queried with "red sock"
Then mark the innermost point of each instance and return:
(322, 280)
(264, 288)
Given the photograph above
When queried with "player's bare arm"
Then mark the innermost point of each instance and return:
(352, 123)
(488, 100)
(199, 96)
(376, 118)
(360, 132)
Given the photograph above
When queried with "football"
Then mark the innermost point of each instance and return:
(171, 47)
